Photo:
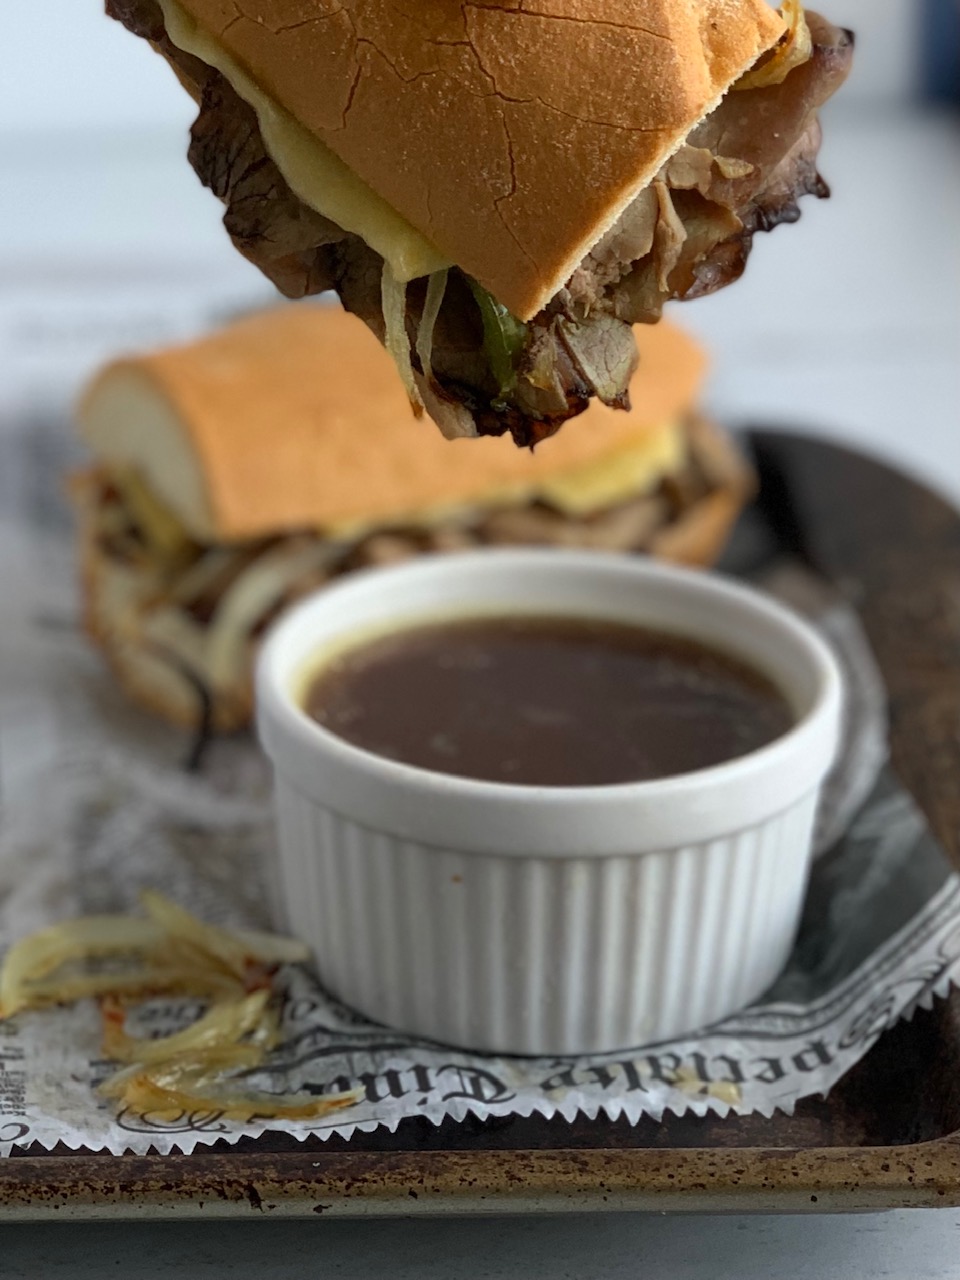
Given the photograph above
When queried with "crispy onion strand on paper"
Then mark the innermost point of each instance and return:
(123, 959)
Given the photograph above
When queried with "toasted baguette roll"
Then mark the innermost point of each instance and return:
(235, 474)
(502, 189)
(295, 419)
(509, 136)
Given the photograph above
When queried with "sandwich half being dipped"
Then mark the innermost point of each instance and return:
(233, 475)
(502, 189)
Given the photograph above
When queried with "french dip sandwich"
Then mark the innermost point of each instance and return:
(235, 474)
(501, 190)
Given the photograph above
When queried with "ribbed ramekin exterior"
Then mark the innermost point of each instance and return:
(538, 955)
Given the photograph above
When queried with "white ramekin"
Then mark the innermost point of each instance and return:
(535, 920)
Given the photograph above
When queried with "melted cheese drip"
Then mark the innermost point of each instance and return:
(312, 171)
(625, 473)
(583, 490)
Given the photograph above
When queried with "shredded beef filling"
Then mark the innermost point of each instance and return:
(197, 579)
(741, 171)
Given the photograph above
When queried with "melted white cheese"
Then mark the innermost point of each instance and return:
(312, 171)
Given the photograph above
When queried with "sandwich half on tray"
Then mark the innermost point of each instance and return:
(502, 189)
(233, 475)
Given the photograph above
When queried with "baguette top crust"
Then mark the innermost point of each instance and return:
(294, 418)
(512, 134)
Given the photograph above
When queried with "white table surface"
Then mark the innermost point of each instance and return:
(848, 324)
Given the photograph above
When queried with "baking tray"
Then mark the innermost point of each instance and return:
(887, 1136)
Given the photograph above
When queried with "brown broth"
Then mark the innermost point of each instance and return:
(547, 701)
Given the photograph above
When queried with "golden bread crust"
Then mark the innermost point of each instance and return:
(294, 376)
(511, 133)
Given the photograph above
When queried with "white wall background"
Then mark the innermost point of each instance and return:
(66, 66)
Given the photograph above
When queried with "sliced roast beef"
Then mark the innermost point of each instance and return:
(741, 171)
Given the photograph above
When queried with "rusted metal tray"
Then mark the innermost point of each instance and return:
(887, 1136)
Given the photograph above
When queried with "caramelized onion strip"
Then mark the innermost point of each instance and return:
(396, 340)
(793, 51)
(436, 289)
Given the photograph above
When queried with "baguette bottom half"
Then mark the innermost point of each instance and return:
(196, 672)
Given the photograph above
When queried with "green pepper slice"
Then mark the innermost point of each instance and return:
(504, 336)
